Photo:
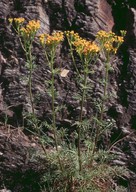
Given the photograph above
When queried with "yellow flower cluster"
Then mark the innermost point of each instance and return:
(109, 41)
(71, 35)
(53, 39)
(19, 20)
(82, 46)
(31, 28)
(119, 39)
(109, 47)
(33, 25)
(104, 35)
(42, 38)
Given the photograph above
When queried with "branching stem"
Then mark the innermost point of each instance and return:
(72, 56)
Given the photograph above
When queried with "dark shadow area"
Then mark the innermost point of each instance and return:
(133, 122)
(23, 181)
(123, 19)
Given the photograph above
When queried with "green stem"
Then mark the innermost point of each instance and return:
(18, 32)
(102, 105)
(27, 49)
(53, 100)
(53, 106)
(46, 55)
(30, 61)
(72, 56)
(81, 116)
(105, 89)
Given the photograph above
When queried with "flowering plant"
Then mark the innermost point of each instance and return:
(26, 36)
(77, 163)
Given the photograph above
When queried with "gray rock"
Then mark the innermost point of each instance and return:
(86, 17)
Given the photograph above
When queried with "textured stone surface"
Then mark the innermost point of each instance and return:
(20, 170)
(86, 17)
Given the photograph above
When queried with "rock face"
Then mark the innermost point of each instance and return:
(87, 18)
(84, 17)
(20, 171)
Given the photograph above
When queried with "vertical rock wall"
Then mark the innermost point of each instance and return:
(86, 17)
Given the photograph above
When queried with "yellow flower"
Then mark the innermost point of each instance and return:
(90, 48)
(10, 20)
(23, 30)
(53, 39)
(42, 38)
(30, 29)
(108, 47)
(119, 39)
(109, 41)
(102, 34)
(84, 47)
(33, 26)
(72, 36)
(115, 50)
(19, 20)
(70, 33)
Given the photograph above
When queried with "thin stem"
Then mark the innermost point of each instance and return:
(102, 105)
(72, 56)
(30, 61)
(83, 96)
(46, 55)
(79, 150)
(53, 100)
(53, 106)
(116, 142)
(81, 115)
(105, 89)
(17, 31)
(44, 149)
(28, 54)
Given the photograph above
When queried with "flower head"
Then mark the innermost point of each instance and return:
(42, 38)
(84, 47)
(72, 36)
(109, 41)
(54, 39)
(33, 26)
(19, 20)
(104, 36)
(30, 29)
(10, 20)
